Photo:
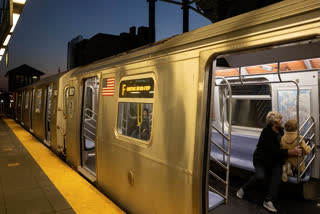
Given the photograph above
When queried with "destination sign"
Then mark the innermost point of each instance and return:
(138, 88)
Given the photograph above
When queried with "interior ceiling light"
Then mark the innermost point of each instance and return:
(7, 40)
(15, 20)
(19, 1)
(266, 67)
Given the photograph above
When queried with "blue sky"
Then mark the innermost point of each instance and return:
(45, 27)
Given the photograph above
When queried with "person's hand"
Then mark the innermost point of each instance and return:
(298, 151)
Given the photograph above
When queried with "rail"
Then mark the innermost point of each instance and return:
(226, 152)
(309, 141)
(86, 124)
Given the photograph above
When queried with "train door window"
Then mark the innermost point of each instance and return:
(135, 108)
(254, 101)
(89, 121)
(32, 107)
(22, 104)
(26, 105)
(48, 113)
(19, 101)
(66, 97)
(38, 100)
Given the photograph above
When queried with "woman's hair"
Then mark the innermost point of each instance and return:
(291, 125)
(272, 117)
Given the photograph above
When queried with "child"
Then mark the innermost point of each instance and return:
(289, 141)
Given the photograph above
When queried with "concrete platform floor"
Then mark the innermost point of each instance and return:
(24, 187)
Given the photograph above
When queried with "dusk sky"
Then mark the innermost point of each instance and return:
(46, 26)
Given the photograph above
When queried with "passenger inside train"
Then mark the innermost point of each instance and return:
(142, 129)
(289, 141)
(268, 159)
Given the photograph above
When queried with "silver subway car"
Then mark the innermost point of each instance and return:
(139, 124)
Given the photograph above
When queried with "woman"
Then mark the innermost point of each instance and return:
(268, 159)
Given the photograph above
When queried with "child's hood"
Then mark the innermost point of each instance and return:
(290, 137)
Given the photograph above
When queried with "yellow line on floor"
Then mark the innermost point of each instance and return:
(80, 194)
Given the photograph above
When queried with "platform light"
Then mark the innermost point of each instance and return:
(7, 40)
(19, 1)
(15, 19)
(0, 58)
(2, 50)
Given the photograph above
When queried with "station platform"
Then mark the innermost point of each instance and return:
(34, 180)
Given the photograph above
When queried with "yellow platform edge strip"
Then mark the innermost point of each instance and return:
(80, 194)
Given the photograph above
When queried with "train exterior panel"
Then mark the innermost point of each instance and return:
(138, 124)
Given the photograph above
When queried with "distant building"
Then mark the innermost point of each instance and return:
(22, 76)
(84, 51)
(71, 46)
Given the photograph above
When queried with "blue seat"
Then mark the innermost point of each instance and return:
(214, 200)
(88, 144)
(241, 152)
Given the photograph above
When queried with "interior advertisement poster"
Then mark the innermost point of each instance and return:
(288, 108)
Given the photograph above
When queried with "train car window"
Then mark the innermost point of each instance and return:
(19, 100)
(38, 100)
(253, 112)
(66, 97)
(89, 100)
(26, 106)
(135, 108)
(254, 102)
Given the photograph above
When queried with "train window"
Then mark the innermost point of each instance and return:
(134, 120)
(66, 97)
(89, 100)
(26, 106)
(254, 102)
(38, 100)
(19, 100)
(135, 108)
(253, 112)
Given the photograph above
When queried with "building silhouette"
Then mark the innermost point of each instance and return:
(84, 51)
(22, 76)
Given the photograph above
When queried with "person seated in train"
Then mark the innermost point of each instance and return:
(268, 159)
(289, 141)
(142, 130)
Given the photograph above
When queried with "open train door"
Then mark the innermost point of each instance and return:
(89, 124)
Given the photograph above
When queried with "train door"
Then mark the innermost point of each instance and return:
(65, 113)
(88, 124)
(31, 107)
(48, 113)
(217, 137)
(22, 104)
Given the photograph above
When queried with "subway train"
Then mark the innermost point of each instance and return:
(146, 126)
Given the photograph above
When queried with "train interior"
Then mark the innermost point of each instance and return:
(89, 123)
(268, 80)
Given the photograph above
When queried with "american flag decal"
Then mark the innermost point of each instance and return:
(108, 86)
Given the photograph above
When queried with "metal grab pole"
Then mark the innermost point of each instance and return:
(229, 135)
